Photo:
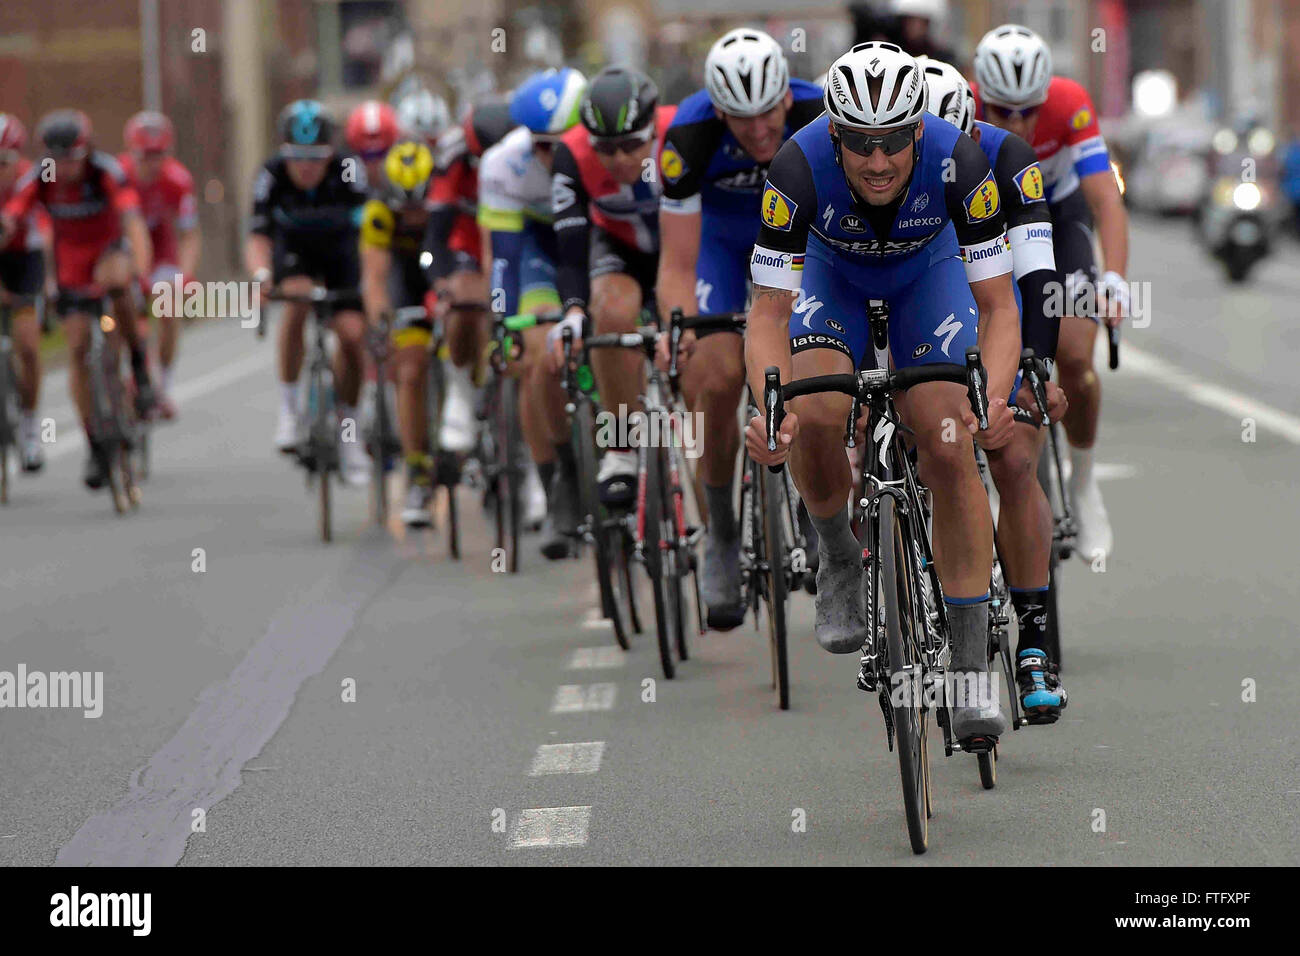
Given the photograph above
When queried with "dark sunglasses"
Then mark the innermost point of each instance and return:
(1005, 113)
(621, 144)
(864, 144)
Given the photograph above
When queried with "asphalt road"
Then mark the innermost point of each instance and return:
(495, 722)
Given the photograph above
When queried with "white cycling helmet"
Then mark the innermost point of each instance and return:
(1013, 66)
(746, 73)
(875, 85)
(948, 95)
(423, 113)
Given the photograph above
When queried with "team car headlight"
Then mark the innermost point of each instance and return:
(1247, 196)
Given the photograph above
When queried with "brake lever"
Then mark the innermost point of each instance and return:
(976, 387)
(775, 409)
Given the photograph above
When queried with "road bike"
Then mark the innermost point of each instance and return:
(907, 650)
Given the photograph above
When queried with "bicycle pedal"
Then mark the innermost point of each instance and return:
(981, 744)
(1034, 720)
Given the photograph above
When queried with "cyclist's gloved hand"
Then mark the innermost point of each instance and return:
(554, 335)
(756, 439)
(1001, 424)
(1112, 298)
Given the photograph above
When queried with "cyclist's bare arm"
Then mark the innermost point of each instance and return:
(1108, 212)
(375, 263)
(137, 233)
(188, 246)
(679, 248)
(999, 332)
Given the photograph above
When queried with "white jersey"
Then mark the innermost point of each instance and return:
(513, 185)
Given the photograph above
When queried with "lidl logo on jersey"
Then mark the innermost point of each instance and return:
(672, 165)
(1082, 118)
(983, 201)
(1030, 183)
(778, 209)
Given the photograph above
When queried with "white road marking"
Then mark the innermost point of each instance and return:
(597, 658)
(213, 381)
(567, 758)
(1208, 394)
(593, 620)
(551, 826)
(581, 698)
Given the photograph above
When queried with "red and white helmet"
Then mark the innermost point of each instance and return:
(372, 129)
(13, 135)
(148, 132)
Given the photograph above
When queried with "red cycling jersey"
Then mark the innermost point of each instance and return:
(31, 232)
(630, 214)
(1067, 138)
(456, 188)
(87, 215)
(167, 204)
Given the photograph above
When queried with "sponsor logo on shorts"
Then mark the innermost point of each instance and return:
(921, 350)
(672, 164)
(983, 201)
(778, 209)
(852, 223)
(1029, 181)
(815, 340)
(835, 325)
(1081, 119)
(923, 221)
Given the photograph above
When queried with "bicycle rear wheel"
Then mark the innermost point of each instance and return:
(902, 633)
(8, 423)
(1053, 636)
(777, 585)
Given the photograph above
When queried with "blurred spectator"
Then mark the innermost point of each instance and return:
(909, 23)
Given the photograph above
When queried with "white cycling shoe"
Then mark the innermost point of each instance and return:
(458, 422)
(354, 463)
(1089, 510)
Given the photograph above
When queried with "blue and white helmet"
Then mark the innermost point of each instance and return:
(547, 102)
(948, 95)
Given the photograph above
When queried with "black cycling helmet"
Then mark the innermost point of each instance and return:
(65, 134)
(619, 101)
(306, 130)
(487, 124)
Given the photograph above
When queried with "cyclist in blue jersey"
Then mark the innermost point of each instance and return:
(713, 164)
(1024, 515)
(880, 200)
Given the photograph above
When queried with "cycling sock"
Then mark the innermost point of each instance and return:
(546, 472)
(167, 380)
(289, 396)
(1080, 467)
(568, 464)
(835, 538)
(968, 619)
(1031, 613)
(722, 513)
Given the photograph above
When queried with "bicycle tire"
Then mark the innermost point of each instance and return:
(509, 473)
(613, 577)
(672, 571)
(778, 585)
(656, 566)
(988, 769)
(1052, 637)
(7, 423)
(910, 722)
(322, 434)
(453, 524)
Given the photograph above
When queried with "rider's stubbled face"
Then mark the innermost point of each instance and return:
(878, 179)
(761, 136)
(627, 168)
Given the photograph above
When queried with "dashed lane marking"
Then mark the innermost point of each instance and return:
(551, 826)
(596, 658)
(581, 698)
(567, 758)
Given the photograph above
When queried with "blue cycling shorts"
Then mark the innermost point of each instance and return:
(722, 269)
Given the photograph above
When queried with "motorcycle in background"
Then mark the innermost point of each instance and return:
(1242, 213)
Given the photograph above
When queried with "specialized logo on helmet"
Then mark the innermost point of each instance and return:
(1081, 119)
(1030, 183)
(983, 201)
(778, 209)
(919, 203)
(672, 164)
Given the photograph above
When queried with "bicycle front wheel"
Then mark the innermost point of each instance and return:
(897, 579)
(777, 585)
(661, 567)
(509, 472)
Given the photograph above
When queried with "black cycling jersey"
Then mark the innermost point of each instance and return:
(331, 210)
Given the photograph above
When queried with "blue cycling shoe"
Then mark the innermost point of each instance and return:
(1042, 695)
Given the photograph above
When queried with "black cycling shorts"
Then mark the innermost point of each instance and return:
(22, 273)
(609, 256)
(334, 263)
(1076, 262)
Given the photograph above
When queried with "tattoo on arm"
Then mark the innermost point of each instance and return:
(767, 292)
